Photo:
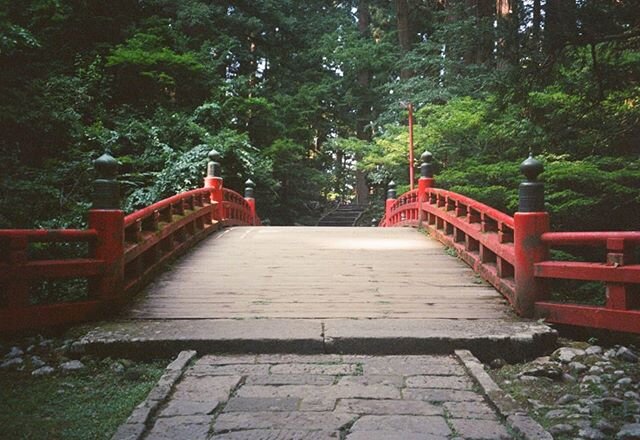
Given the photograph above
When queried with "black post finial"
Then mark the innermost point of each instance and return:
(391, 191)
(106, 189)
(213, 167)
(426, 168)
(531, 192)
(249, 188)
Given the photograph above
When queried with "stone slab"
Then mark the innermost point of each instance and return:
(425, 425)
(485, 338)
(276, 434)
(388, 407)
(327, 421)
(168, 337)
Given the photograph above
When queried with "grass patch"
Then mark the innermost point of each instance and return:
(87, 404)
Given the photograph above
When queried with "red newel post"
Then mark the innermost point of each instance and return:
(391, 199)
(426, 181)
(214, 182)
(530, 222)
(249, 193)
(107, 219)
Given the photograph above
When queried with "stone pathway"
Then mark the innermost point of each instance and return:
(353, 397)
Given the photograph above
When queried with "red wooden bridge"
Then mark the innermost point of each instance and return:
(332, 273)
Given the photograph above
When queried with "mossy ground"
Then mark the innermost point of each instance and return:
(85, 404)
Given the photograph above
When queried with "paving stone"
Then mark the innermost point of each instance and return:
(129, 431)
(226, 359)
(299, 358)
(330, 369)
(249, 404)
(412, 365)
(228, 370)
(436, 395)
(388, 407)
(271, 434)
(331, 391)
(206, 389)
(470, 410)
(327, 421)
(178, 407)
(373, 379)
(393, 435)
(355, 391)
(181, 427)
(291, 379)
(284, 390)
(312, 403)
(425, 425)
(480, 429)
(449, 382)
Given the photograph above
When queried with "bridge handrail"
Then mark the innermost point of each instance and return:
(124, 252)
(512, 253)
(185, 197)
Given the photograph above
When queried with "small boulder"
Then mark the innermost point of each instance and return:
(630, 431)
(626, 355)
(566, 354)
(594, 349)
(561, 428)
(567, 398)
(497, 363)
(14, 352)
(591, 434)
(12, 363)
(43, 371)
(578, 367)
(36, 362)
(71, 366)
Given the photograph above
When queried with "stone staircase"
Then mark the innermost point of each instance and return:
(343, 215)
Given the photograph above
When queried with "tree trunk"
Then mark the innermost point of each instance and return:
(481, 51)
(560, 24)
(404, 33)
(507, 33)
(364, 112)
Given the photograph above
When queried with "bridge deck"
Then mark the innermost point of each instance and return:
(279, 272)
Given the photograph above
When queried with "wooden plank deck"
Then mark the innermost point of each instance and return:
(311, 272)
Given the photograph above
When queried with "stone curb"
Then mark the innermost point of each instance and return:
(135, 426)
(507, 407)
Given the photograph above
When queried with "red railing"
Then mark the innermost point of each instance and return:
(512, 253)
(20, 273)
(163, 230)
(481, 235)
(620, 273)
(238, 210)
(122, 254)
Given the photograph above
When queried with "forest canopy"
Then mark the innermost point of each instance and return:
(309, 100)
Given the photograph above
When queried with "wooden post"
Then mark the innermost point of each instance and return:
(107, 219)
(214, 182)
(530, 222)
(391, 199)
(249, 193)
(426, 181)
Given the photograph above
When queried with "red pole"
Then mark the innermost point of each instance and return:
(410, 106)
